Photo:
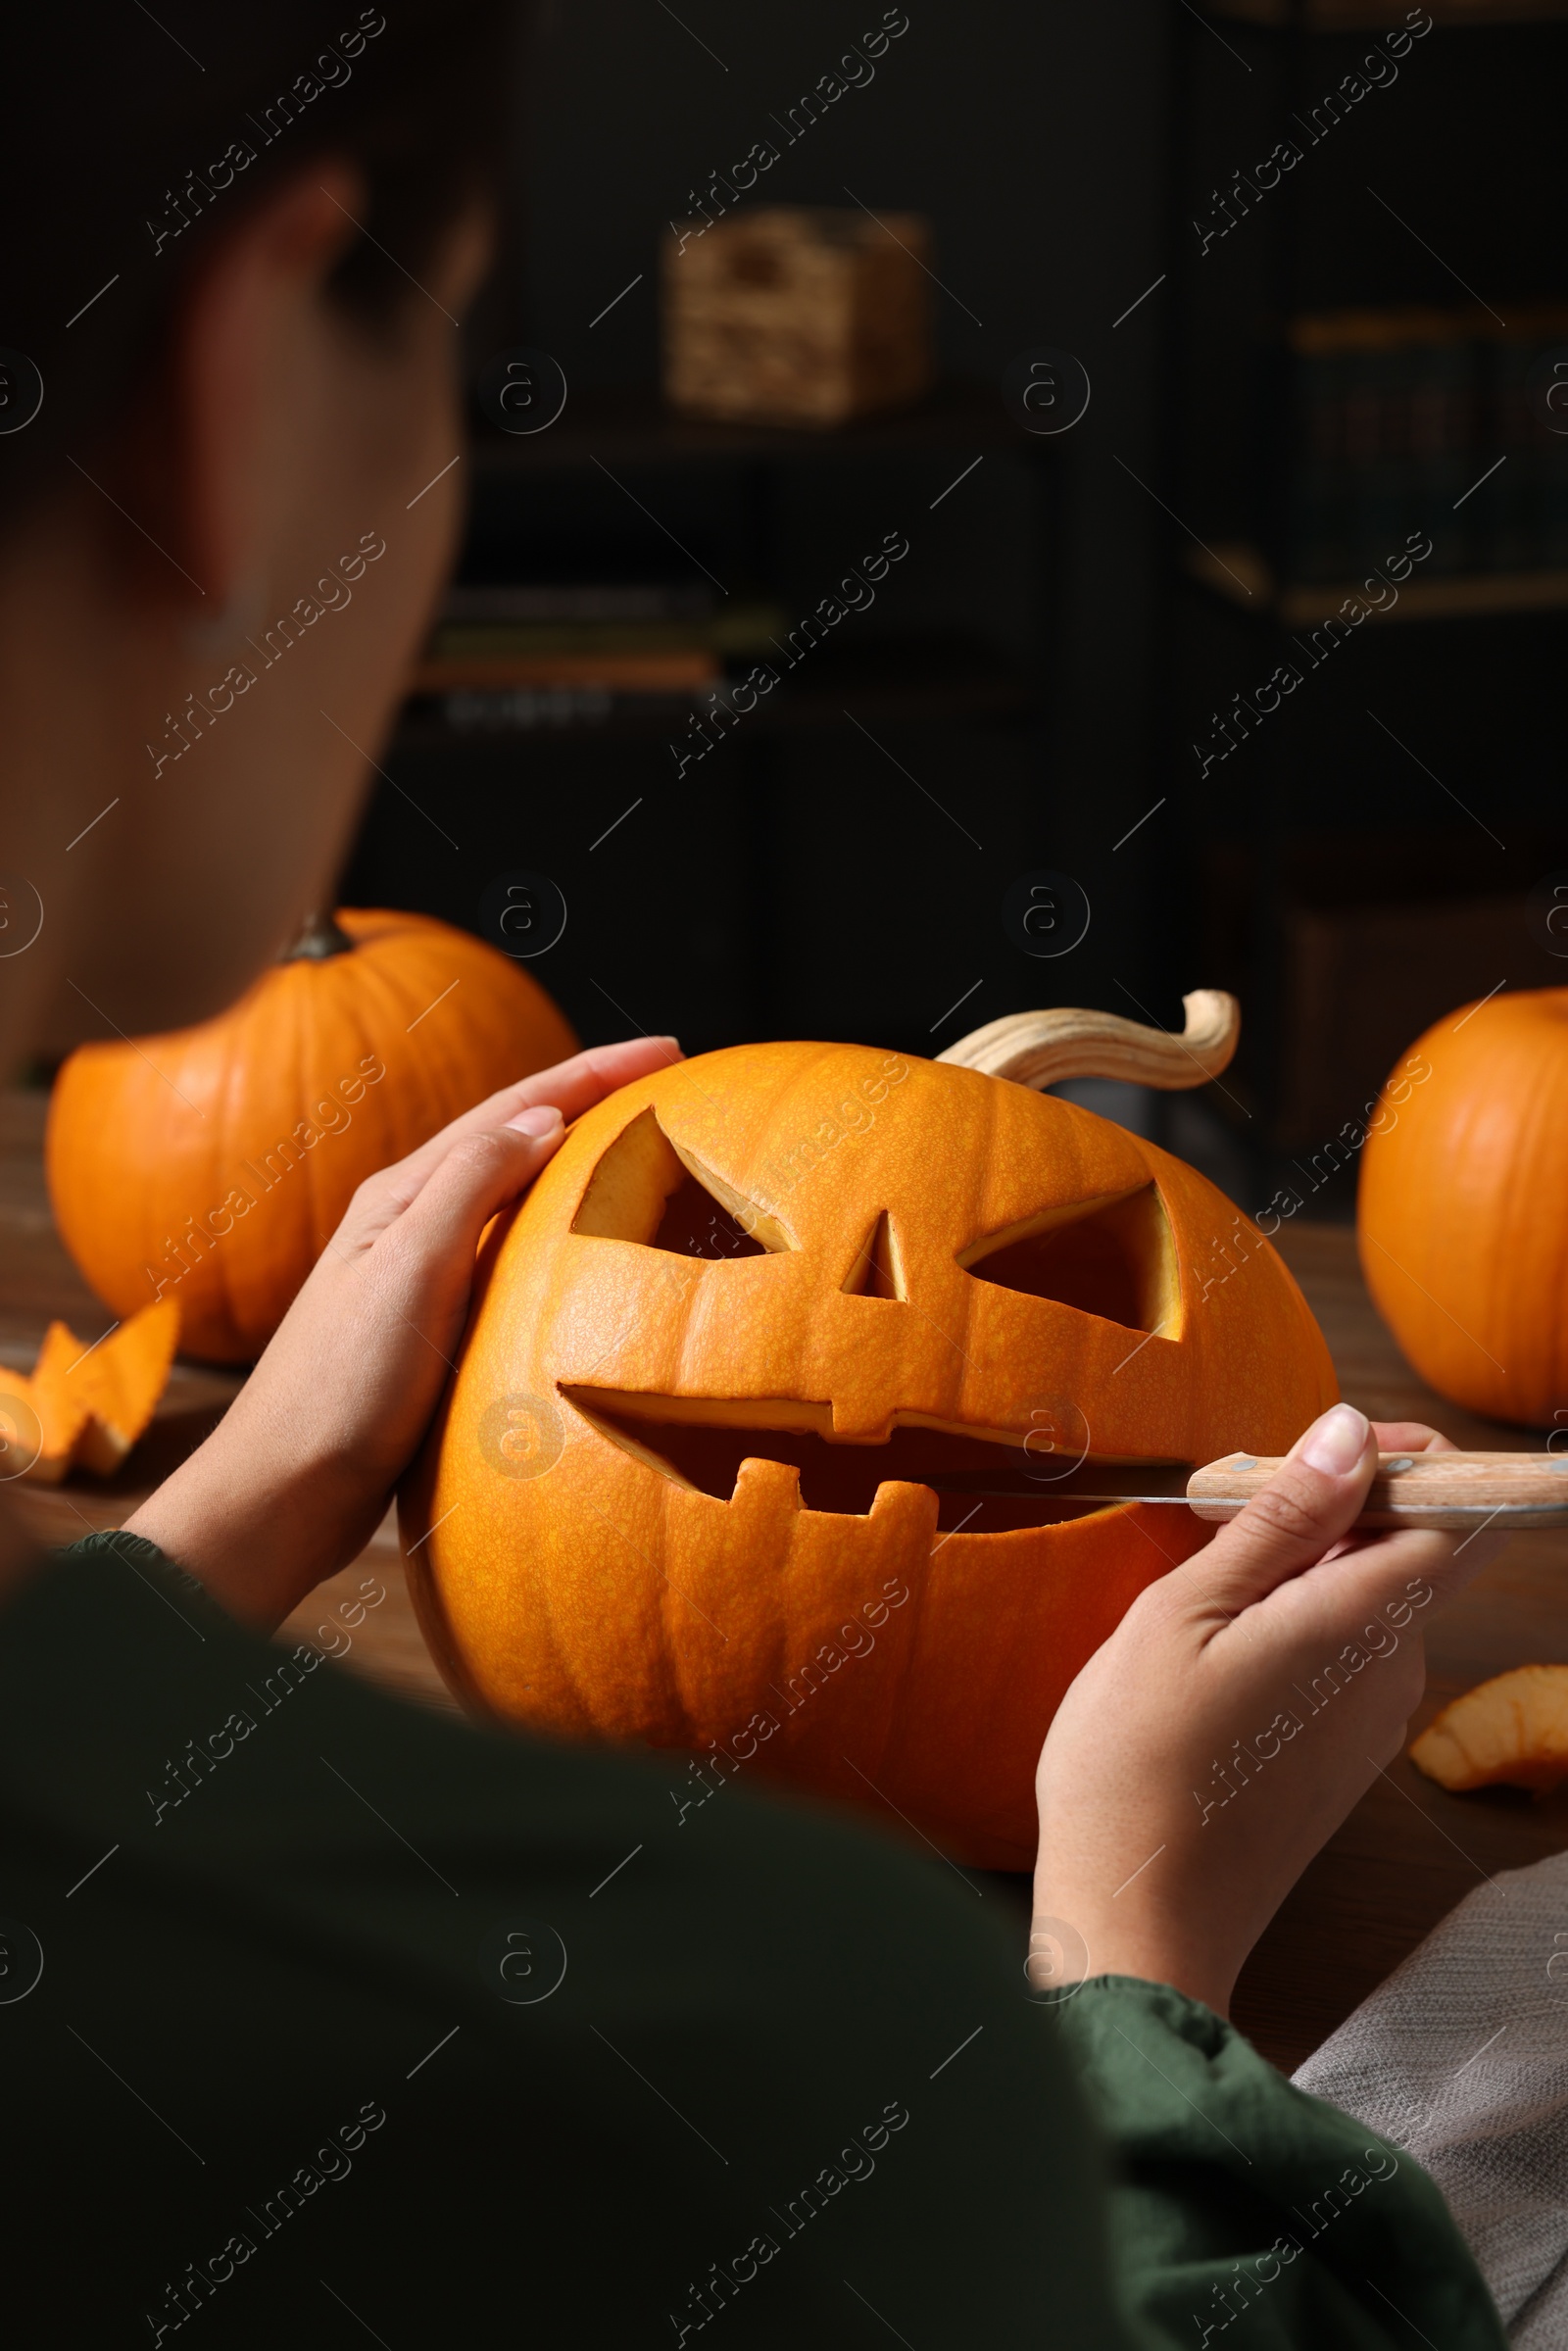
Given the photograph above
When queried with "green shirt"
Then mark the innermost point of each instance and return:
(357, 2024)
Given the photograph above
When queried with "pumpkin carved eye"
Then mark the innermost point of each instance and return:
(696, 1224)
(1115, 1258)
(647, 1189)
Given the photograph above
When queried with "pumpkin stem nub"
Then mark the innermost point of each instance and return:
(1038, 1048)
(319, 938)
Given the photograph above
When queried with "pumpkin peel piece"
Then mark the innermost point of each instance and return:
(44, 1454)
(1511, 1730)
(62, 1406)
(120, 1380)
(58, 1413)
(84, 1407)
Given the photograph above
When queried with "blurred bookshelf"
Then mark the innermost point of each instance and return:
(527, 646)
(1377, 16)
(627, 576)
(1357, 346)
(1241, 573)
(932, 679)
(633, 425)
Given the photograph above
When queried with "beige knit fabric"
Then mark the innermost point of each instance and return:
(1462, 2057)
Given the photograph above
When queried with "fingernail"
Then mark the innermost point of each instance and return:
(538, 1121)
(1336, 1442)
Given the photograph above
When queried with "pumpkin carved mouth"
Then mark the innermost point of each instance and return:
(987, 1484)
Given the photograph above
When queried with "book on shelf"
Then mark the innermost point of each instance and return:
(1418, 418)
(567, 603)
(673, 670)
(1368, 16)
(625, 639)
(514, 710)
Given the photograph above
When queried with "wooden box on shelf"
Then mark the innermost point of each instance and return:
(797, 314)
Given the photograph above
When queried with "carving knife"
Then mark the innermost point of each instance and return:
(1517, 1490)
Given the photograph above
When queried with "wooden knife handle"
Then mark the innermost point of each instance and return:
(1415, 1490)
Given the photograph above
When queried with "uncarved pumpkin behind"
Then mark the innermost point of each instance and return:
(1463, 1208)
(214, 1163)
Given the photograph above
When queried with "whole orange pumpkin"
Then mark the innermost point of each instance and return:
(1462, 1211)
(212, 1164)
(752, 1443)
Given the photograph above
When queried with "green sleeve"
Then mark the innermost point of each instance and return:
(1248, 2214)
(358, 2023)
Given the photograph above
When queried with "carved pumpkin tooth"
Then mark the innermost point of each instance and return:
(769, 1483)
(900, 1496)
(951, 1289)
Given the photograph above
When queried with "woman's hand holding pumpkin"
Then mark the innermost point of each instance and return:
(296, 1477)
(1240, 1710)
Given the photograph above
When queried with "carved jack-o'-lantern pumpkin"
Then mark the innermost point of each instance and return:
(758, 1440)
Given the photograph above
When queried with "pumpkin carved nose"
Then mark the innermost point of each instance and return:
(878, 1267)
(870, 1379)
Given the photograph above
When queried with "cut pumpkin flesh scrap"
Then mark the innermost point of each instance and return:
(121, 1380)
(85, 1405)
(43, 1416)
(1511, 1730)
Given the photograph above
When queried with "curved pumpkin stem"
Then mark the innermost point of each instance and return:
(1038, 1048)
(319, 938)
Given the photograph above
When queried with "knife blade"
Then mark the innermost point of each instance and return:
(1416, 1489)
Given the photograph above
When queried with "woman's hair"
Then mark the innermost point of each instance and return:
(128, 140)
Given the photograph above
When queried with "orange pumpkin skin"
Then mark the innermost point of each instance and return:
(212, 1164)
(1462, 1212)
(566, 1584)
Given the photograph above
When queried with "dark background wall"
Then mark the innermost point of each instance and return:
(1035, 140)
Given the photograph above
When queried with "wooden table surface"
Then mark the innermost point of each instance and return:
(1408, 1852)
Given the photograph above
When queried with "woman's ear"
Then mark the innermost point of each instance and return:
(219, 431)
